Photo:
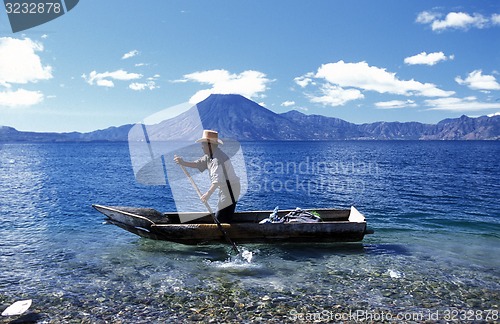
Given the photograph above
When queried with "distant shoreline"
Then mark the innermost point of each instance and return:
(241, 119)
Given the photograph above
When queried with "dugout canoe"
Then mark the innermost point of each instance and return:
(338, 225)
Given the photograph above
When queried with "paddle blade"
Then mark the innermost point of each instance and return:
(17, 308)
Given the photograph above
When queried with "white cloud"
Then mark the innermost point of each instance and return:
(287, 103)
(179, 81)
(200, 96)
(139, 86)
(210, 76)
(394, 104)
(19, 63)
(371, 78)
(332, 95)
(460, 20)
(455, 20)
(460, 104)
(495, 19)
(105, 83)
(305, 80)
(130, 54)
(106, 79)
(20, 97)
(426, 17)
(340, 82)
(477, 81)
(494, 114)
(249, 83)
(427, 59)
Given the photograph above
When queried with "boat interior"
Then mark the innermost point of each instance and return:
(327, 215)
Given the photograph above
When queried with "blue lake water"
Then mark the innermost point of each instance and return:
(434, 207)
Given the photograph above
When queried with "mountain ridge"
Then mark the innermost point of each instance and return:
(239, 118)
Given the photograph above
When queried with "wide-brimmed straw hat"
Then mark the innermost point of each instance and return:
(210, 136)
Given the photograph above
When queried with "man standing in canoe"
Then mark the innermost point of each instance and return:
(222, 175)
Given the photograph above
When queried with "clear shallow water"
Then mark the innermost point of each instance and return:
(433, 205)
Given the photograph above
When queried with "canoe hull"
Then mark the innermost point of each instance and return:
(262, 233)
(151, 224)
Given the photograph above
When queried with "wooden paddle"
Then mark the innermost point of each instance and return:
(219, 226)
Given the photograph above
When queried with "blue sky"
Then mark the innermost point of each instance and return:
(108, 63)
